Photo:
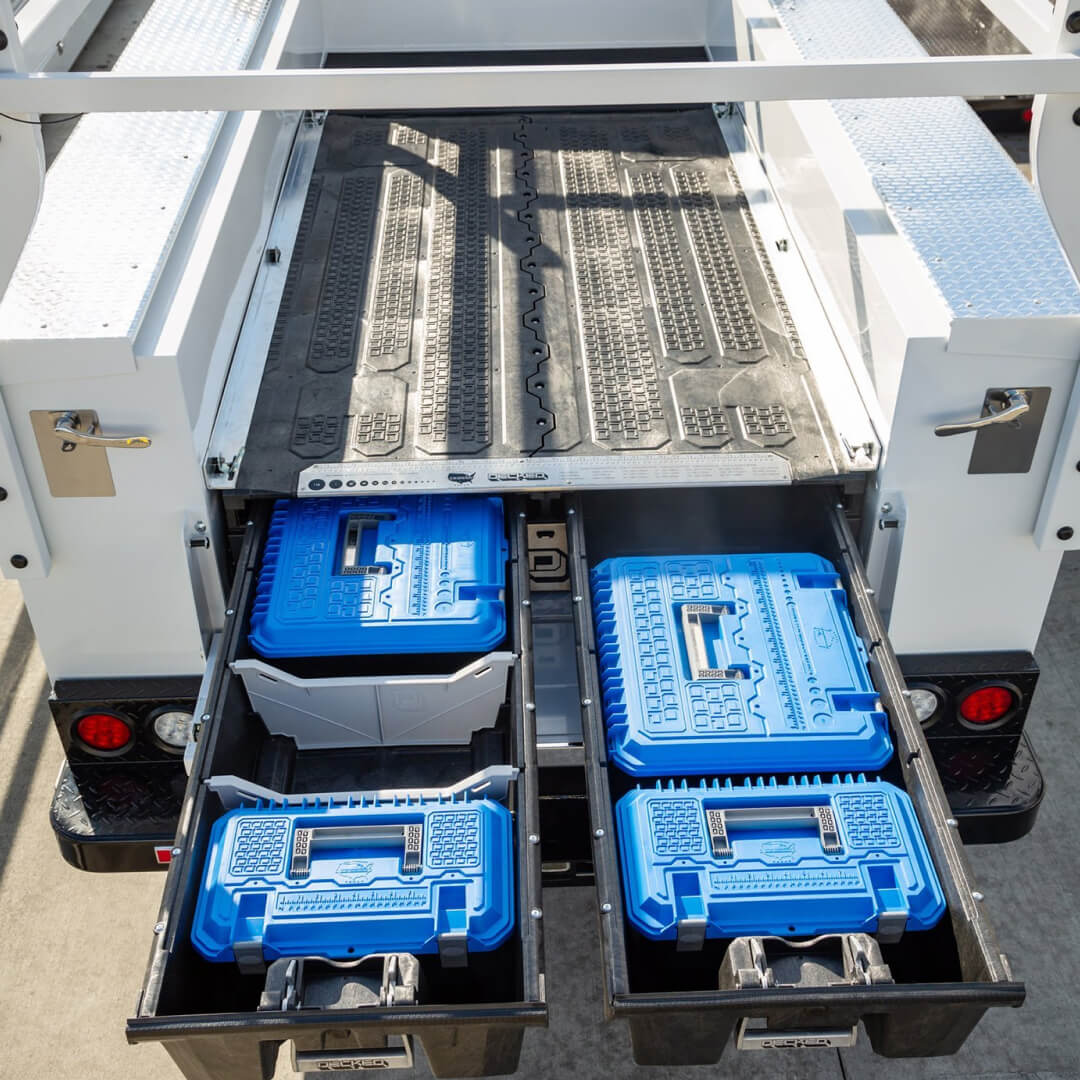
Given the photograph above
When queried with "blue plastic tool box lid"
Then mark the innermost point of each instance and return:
(799, 858)
(389, 574)
(350, 879)
(733, 664)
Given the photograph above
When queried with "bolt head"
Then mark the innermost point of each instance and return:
(200, 526)
(526, 603)
(1065, 532)
(605, 908)
(886, 508)
(175, 851)
(159, 928)
(598, 832)
(536, 913)
(977, 896)
(533, 838)
(230, 611)
(952, 822)
(530, 706)
(586, 701)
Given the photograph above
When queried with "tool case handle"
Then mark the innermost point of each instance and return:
(693, 618)
(721, 823)
(307, 840)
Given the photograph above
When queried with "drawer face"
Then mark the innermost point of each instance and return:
(433, 838)
(686, 980)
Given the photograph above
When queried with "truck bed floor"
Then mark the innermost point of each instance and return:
(470, 291)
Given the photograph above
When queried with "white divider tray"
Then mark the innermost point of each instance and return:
(381, 710)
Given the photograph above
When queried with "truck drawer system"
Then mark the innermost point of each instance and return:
(918, 970)
(491, 302)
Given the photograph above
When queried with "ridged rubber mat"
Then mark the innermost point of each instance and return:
(552, 286)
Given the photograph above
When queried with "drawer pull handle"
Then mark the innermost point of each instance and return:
(760, 1038)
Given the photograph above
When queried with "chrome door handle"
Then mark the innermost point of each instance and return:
(1014, 403)
(69, 428)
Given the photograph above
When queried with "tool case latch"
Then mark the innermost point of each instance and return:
(761, 963)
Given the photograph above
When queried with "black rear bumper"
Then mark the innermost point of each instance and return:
(112, 818)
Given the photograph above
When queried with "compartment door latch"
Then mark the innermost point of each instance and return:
(73, 452)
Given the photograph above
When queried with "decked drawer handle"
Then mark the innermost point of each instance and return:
(69, 428)
(305, 841)
(761, 1038)
(355, 1060)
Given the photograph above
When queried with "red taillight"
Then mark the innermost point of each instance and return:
(103, 731)
(987, 704)
(1027, 115)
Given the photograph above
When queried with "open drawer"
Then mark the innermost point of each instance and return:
(684, 1006)
(220, 1021)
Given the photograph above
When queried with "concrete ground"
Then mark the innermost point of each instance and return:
(73, 946)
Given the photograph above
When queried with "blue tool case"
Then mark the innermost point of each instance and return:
(733, 664)
(382, 575)
(340, 881)
(801, 858)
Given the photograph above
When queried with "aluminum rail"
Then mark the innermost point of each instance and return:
(538, 86)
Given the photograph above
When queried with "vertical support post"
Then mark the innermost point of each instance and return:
(22, 159)
(22, 177)
(1055, 140)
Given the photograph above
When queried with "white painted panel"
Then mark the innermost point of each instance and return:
(413, 25)
(971, 576)
(119, 599)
